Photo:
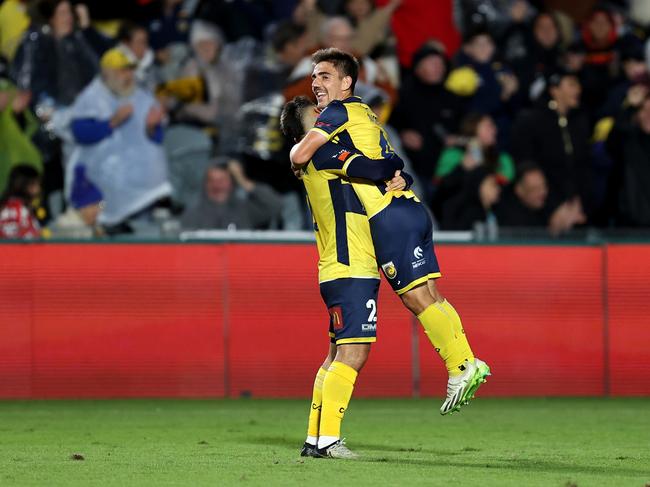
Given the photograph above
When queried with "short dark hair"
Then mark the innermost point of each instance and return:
(345, 63)
(291, 117)
(20, 177)
(524, 168)
(285, 32)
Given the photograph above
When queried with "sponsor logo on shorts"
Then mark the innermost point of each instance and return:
(336, 317)
(369, 327)
(389, 269)
(417, 252)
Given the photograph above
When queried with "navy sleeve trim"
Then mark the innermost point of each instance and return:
(331, 156)
(332, 117)
(374, 169)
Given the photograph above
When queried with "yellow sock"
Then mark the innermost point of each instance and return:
(441, 331)
(316, 402)
(460, 331)
(337, 391)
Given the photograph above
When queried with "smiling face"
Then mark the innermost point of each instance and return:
(327, 84)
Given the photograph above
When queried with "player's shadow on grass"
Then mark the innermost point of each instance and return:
(524, 465)
(283, 441)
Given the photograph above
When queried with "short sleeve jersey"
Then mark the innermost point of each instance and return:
(341, 226)
(352, 124)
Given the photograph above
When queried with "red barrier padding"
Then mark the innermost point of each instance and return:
(118, 320)
(534, 313)
(17, 274)
(211, 320)
(628, 324)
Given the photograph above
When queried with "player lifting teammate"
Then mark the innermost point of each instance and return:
(400, 226)
(347, 273)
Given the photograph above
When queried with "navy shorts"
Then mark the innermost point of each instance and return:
(402, 234)
(352, 306)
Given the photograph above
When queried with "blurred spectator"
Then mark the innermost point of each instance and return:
(240, 19)
(171, 25)
(493, 15)
(17, 219)
(539, 52)
(458, 166)
(427, 113)
(248, 205)
(495, 87)
(118, 130)
(556, 135)
(286, 61)
(370, 25)
(221, 70)
(415, 21)
(54, 61)
(635, 71)
(14, 21)
(17, 127)
(98, 41)
(629, 147)
(480, 137)
(478, 193)
(599, 36)
(80, 219)
(206, 42)
(523, 203)
(134, 41)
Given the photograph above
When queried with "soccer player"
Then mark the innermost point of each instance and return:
(347, 273)
(400, 225)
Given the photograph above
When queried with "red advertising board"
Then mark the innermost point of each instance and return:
(235, 319)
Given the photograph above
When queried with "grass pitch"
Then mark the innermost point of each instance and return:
(505, 442)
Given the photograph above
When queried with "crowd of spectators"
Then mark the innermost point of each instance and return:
(115, 118)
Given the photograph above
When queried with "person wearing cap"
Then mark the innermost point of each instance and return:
(80, 219)
(556, 133)
(427, 112)
(117, 128)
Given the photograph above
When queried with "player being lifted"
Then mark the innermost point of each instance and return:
(347, 274)
(400, 225)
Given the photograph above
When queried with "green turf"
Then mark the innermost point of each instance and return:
(514, 442)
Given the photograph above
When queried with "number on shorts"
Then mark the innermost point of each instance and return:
(371, 304)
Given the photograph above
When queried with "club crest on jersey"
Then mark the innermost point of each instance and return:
(389, 269)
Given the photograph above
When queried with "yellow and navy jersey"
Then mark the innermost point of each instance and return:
(341, 226)
(352, 124)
